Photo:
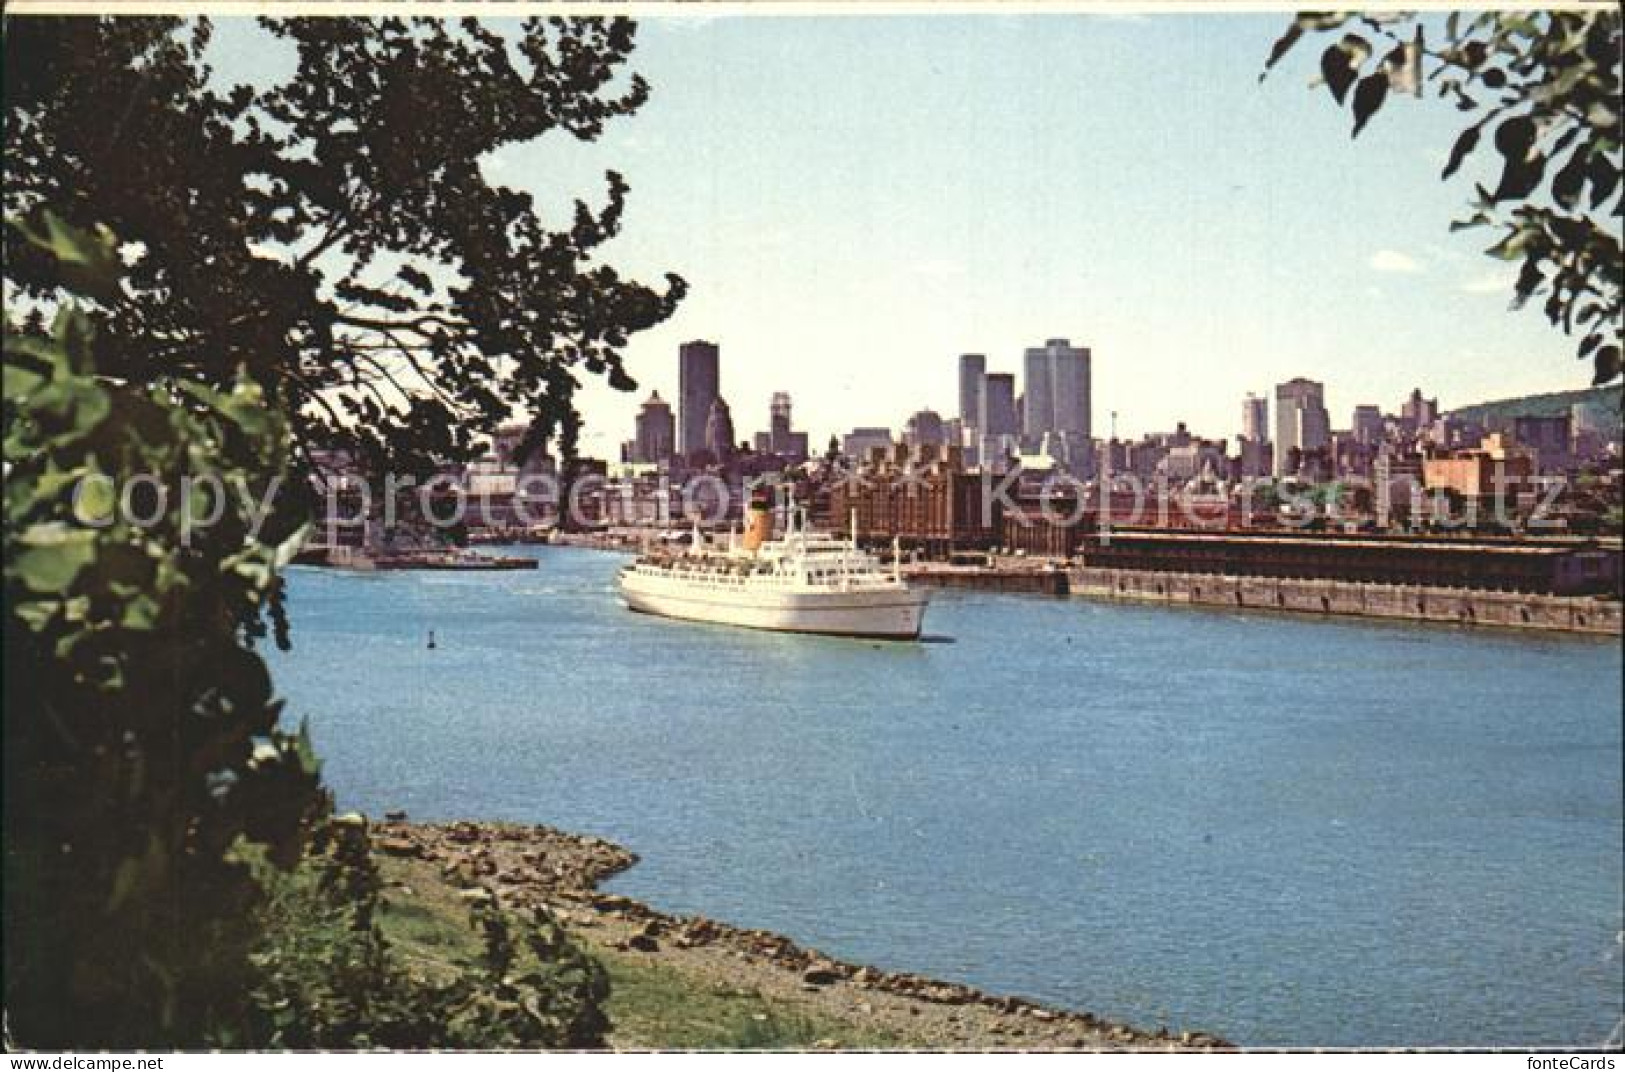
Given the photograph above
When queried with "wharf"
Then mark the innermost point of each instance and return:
(1597, 615)
(1039, 579)
(350, 558)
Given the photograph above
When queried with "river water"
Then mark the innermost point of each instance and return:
(1281, 830)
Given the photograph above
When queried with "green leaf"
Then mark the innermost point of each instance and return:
(88, 260)
(1465, 143)
(284, 552)
(1568, 182)
(1368, 98)
(1282, 45)
(76, 335)
(1604, 177)
(1606, 364)
(141, 614)
(52, 555)
(1340, 63)
(20, 381)
(1515, 137)
(95, 498)
(1520, 178)
(1512, 246)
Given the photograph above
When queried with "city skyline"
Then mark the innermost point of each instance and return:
(856, 201)
(1276, 427)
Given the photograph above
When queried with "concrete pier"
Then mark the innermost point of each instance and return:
(1039, 580)
(1422, 603)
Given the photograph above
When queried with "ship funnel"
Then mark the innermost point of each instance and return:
(758, 525)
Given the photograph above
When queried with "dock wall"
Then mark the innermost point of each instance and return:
(1039, 581)
(1573, 614)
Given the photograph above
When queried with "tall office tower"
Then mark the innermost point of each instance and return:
(1367, 425)
(719, 430)
(997, 422)
(1255, 418)
(698, 385)
(972, 368)
(1301, 421)
(656, 429)
(778, 423)
(1057, 399)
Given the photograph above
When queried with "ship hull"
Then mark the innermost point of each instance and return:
(883, 614)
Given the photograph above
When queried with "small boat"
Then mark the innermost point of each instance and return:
(803, 582)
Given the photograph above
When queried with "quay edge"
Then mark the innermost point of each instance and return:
(1593, 615)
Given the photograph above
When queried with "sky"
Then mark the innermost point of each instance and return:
(857, 200)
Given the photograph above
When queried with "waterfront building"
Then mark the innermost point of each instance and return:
(859, 443)
(1451, 561)
(1254, 459)
(1302, 424)
(972, 371)
(924, 428)
(1057, 401)
(505, 450)
(698, 387)
(1397, 483)
(1592, 436)
(1483, 475)
(1350, 456)
(922, 496)
(1418, 413)
(656, 431)
(1367, 426)
(1450, 432)
(1196, 460)
(1255, 418)
(1551, 437)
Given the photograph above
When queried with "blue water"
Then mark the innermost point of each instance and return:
(1286, 831)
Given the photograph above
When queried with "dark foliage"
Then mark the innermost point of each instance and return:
(142, 749)
(335, 235)
(1544, 88)
(328, 979)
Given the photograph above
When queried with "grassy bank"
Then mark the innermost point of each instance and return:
(687, 982)
(653, 1004)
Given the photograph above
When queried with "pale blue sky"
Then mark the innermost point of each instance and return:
(857, 200)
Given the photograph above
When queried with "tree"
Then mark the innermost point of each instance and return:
(334, 234)
(1543, 88)
(143, 756)
(320, 262)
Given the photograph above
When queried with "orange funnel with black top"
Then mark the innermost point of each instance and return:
(758, 526)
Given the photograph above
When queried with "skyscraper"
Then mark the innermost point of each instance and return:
(997, 423)
(698, 385)
(1057, 399)
(655, 431)
(778, 423)
(1255, 418)
(1301, 421)
(1368, 425)
(719, 430)
(924, 428)
(972, 368)
(1418, 413)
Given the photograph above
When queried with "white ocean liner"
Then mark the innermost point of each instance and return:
(802, 583)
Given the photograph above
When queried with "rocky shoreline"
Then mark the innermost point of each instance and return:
(525, 865)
